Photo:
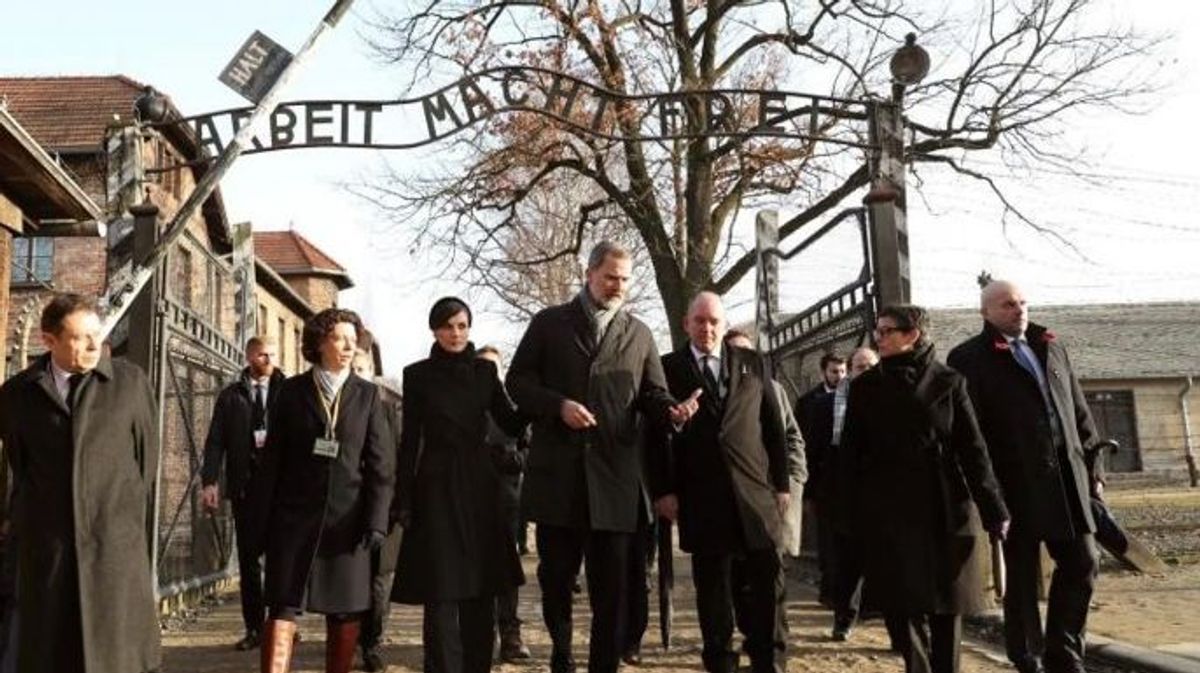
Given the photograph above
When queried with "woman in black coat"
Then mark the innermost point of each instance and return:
(458, 553)
(918, 461)
(329, 471)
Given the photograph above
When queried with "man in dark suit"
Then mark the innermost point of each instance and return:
(81, 439)
(1032, 412)
(814, 412)
(724, 477)
(236, 434)
(583, 372)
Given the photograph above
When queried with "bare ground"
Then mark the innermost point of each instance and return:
(204, 643)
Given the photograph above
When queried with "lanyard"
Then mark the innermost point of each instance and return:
(331, 410)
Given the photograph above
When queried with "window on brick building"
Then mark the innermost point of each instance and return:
(32, 260)
(261, 328)
(297, 357)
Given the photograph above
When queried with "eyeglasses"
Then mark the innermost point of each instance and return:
(885, 330)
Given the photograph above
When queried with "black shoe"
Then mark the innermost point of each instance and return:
(512, 650)
(841, 632)
(373, 660)
(562, 664)
(250, 642)
(632, 658)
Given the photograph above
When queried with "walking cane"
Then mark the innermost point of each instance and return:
(666, 581)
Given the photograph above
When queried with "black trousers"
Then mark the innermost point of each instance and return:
(250, 568)
(381, 605)
(1075, 566)
(929, 643)
(826, 549)
(458, 635)
(758, 613)
(847, 579)
(636, 611)
(560, 551)
(506, 602)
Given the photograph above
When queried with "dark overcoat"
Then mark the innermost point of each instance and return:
(457, 544)
(389, 553)
(229, 450)
(321, 507)
(918, 463)
(587, 479)
(729, 461)
(1047, 489)
(83, 496)
(814, 413)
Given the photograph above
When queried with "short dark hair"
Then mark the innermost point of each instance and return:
(908, 317)
(735, 333)
(446, 308)
(603, 250)
(322, 325)
(831, 357)
(63, 305)
(258, 341)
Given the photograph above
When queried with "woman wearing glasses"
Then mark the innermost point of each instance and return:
(458, 552)
(918, 463)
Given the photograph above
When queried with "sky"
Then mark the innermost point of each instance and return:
(1134, 224)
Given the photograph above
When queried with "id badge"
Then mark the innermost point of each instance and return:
(326, 447)
(260, 438)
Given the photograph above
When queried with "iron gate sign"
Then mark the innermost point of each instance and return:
(575, 103)
(255, 67)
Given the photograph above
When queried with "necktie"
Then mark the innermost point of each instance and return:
(710, 379)
(1024, 356)
(73, 383)
(260, 407)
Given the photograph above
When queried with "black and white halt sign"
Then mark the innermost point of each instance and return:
(255, 67)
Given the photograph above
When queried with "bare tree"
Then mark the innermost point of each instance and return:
(1008, 77)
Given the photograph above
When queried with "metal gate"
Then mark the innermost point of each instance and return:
(181, 330)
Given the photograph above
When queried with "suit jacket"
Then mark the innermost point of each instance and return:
(82, 507)
(230, 441)
(729, 461)
(918, 467)
(321, 507)
(1047, 488)
(589, 479)
(814, 413)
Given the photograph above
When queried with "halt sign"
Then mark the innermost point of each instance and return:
(255, 67)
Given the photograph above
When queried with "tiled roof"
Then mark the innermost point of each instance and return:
(289, 253)
(1104, 341)
(70, 113)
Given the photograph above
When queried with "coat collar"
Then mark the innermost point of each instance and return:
(351, 390)
(41, 377)
(584, 334)
(936, 382)
(710, 403)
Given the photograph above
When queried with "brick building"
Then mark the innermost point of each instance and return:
(186, 331)
(38, 200)
(296, 268)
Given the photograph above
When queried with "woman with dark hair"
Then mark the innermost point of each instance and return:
(458, 553)
(917, 462)
(328, 475)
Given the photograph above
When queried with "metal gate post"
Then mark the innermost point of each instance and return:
(886, 206)
(766, 279)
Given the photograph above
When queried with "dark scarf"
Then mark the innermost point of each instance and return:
(907, 368)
